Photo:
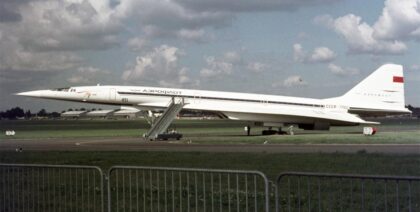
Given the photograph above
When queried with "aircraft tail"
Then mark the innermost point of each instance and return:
(381, 91)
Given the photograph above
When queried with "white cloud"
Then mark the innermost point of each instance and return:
(360, 39)
(322, 55)
(87, 75)
(170, 19)
(232, 57)
(319, 55)
(190, 19)
(137, 44)
(293, 81)
(74, 25)
(49, 34)
(299, 54)
(65, 25)
(230, 62)
(399, 21)
(257, 67)
(216, 67)
(250, 5)
(192, 34)
(15, 58)
(338, 70)
(160, 66)
(221, 66)
(195, 35)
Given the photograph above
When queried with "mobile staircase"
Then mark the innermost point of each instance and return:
(162, 123)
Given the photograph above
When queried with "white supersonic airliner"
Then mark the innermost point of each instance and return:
(381, 93)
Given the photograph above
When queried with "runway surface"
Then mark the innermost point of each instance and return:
(138, 144)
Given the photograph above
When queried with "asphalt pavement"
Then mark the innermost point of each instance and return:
(138, 144)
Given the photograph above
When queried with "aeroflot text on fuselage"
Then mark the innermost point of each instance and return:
(157, 91)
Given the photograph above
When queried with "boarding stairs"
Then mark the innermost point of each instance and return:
(162, 123)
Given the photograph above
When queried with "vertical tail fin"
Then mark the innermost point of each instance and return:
(383, 90)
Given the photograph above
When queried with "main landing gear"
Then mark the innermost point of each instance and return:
(270, 131)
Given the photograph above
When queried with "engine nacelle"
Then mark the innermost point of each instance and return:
(318, 125)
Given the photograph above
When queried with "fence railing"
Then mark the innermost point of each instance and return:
(182, 189)
(27, 187)
(297, 191)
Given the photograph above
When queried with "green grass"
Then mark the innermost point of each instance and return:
(209, 131)
(270, 164)
(218, 131)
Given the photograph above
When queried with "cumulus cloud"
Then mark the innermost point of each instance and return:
(195, 35)
(299, 54)
(137, 44)
(40, 27)
(229, 63)
(221, 66)
(86, 75)
(15, 58)
(250, 5)
(192, 34)
(322, 55)
(216, 67)
(319, 54)
(338, 70)
(257, 67)
(188, 20)
(294, 81)
(46, 35)
(170, 19)
(64, 25)
(359, 36)
(399, 22)
(160, 66)
(291, 81)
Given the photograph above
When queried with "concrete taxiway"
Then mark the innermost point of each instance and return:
(138, 144)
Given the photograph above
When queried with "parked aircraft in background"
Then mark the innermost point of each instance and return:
(381, 93)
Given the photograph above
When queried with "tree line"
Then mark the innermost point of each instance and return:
(20, 113)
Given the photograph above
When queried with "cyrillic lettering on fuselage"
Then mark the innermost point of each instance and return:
(158, 91)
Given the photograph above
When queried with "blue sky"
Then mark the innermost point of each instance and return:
(318, 48)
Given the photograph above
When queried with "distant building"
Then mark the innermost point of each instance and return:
(73, 114)
(100, 113)
(128, 114)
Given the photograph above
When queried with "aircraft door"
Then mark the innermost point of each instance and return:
(112, 94)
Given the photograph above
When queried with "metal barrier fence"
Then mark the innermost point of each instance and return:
(182, 189)
(137, 188)
(25, 187)
(297, 191)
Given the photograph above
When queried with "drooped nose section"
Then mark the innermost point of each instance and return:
(38, 93)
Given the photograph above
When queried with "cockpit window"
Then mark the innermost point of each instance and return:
(61, 89)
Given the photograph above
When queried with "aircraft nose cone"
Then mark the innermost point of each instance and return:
(30, 93)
